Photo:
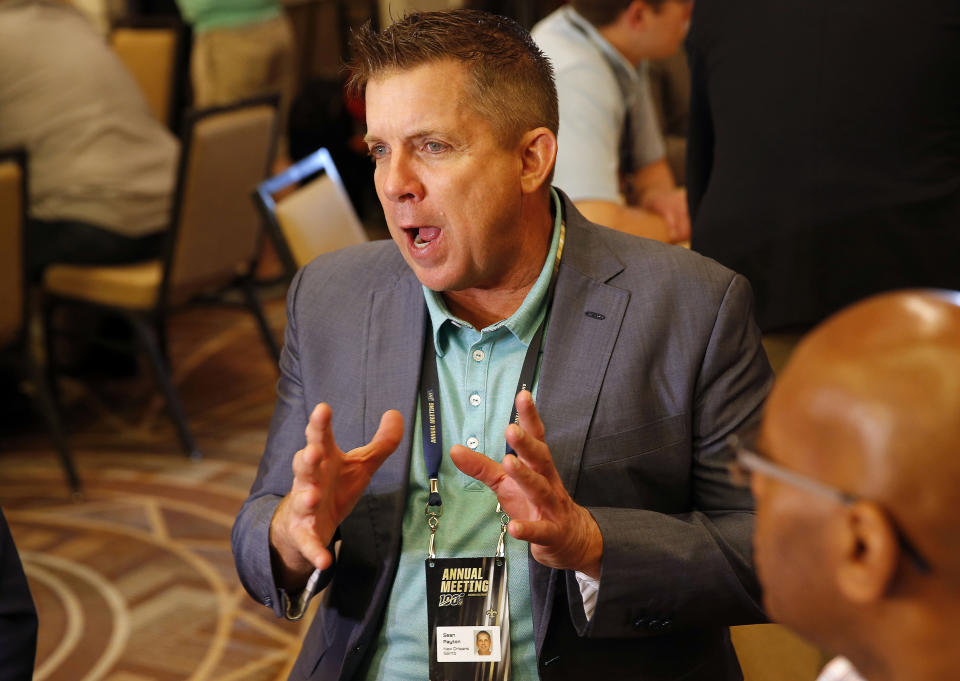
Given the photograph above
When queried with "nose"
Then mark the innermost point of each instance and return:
(398, 178)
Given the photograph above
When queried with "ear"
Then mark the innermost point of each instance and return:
(635, 15)
(538, 151)
(869, 553)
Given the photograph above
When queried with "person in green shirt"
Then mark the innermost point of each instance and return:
(241, 49)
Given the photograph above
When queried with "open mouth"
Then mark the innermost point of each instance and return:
(422, 237)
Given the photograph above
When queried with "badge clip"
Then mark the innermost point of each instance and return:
(504, 521)
(433, 512)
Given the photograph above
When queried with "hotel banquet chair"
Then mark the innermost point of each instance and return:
(15, 302)
(771, 652)
(152, 53)
(211, 246)
(316, 217)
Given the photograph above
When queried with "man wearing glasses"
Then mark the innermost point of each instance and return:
(856, 472)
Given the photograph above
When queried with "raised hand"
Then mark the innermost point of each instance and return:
(326, 485)
(562, 534)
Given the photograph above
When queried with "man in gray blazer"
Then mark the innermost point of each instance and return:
(627, 548)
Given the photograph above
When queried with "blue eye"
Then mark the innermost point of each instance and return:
(435, 147)
(377, 151)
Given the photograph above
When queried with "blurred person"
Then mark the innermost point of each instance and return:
(101, 167)
(241, 49)
(612, 157)
(855, 472)
(670, 85)
(18, 616)
(623, 544)
(824, 150)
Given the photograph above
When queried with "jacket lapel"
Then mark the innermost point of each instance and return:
(584, 325)
(393, 356)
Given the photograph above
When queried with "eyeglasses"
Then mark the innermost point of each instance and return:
(748, 461)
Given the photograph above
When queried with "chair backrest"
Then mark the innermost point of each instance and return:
(151, 56)
(13, 214)
(215, 233)
(316, 216)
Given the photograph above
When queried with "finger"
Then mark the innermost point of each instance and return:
(477, 466)
(313, 550)
(384, 442)
(683, 227)
(319, 431)
(534, 486)
(529, 418)
(306, 464)
(531, 451)
(294, 534)
(670, 218)
(542, 532)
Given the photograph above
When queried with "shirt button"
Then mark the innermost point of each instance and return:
(478, 355)
(473, 442)
(475, 399)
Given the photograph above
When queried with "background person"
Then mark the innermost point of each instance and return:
(867, 561)
(824, 150)
(241, 49)
(612, 157)
(101, 167)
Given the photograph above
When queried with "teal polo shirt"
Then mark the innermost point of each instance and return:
(478, 372)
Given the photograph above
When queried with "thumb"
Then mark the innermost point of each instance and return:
(387, 437)
(476, 465)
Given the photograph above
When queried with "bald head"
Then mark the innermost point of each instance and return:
(869, 404)
(871, 398)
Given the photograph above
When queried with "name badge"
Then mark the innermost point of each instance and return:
(469, 619)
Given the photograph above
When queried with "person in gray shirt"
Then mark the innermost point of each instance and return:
(101, 167)
(612, 159)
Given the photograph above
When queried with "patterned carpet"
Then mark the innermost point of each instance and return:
(136, 582)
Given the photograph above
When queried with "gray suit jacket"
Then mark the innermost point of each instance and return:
(651, 359)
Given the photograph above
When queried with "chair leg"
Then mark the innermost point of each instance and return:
(160, 326)
(49, 407)
(46, 392)
(161, 372)
(49, 372)
(256, 309)
(42, 371)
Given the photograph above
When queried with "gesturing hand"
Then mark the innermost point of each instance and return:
(562, 534)
(326, 486)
